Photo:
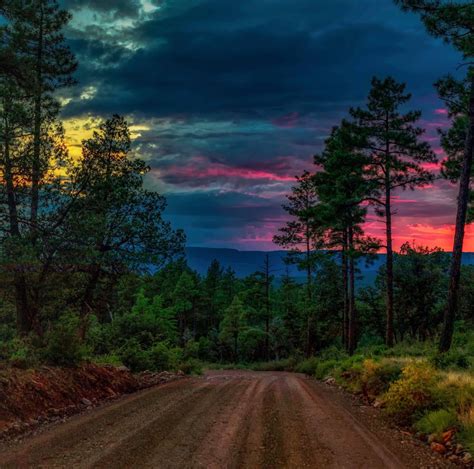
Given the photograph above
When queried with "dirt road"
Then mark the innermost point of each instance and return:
(224, 420)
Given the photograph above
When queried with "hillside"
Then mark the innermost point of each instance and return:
(246, 262)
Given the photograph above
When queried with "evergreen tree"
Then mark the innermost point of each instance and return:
(303, 235)
(342, 188)
(395, 153)
(454, 22)
(232, 325)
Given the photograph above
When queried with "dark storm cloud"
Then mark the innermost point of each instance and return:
(267, 57)
(237, 96)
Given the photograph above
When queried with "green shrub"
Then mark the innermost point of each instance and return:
(377, 376)
(191, 349)
(191, 367)
(452, 359)
(163, 357)
(108, 359)
(134, 357)
(286, 364)
(324, 368)
(308, 366)
(413, 394)
(436, 421)
(20, 353)
(63, 344)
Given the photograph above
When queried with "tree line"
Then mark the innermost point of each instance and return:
(377, 150)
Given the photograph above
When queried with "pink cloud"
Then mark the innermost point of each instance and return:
(200, 168)
(441, 112)
(288, 121)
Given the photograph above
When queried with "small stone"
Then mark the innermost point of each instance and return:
(459, 448)
(467, 458)
(438, 448)
(377, 403)
(86, 402)
(448, 436)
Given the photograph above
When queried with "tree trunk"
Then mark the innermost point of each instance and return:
(352, 333)
(388, 215)
(23, 314)
(345, 283)
(267, 307)
(309, 320)
(36, 165)
(463, 200)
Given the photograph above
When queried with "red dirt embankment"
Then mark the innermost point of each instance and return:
(29, 397)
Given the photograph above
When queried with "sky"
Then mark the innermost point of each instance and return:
(229, 100)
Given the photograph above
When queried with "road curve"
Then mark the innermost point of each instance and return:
(228, 419)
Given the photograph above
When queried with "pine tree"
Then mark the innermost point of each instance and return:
(454, 22)
(342, 188)
(396, 154)
(303, 236)
(232, 325)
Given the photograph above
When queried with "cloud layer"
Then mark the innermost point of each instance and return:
(230, 100)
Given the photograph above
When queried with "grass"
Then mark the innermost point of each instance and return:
(417, 387)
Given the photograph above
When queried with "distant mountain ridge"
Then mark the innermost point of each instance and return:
(247, 262)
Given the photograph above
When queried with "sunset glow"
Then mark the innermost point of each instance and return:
(225, 148)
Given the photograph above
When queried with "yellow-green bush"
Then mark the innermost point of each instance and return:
(377, 376)
(413, 394)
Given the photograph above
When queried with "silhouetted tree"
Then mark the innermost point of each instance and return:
(395, 154)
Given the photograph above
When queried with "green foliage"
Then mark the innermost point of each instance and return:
(191, 367)
(437, 421)
(454, 359)
(286, 364)
(19, 352)
(63, 344)
(133, 356)
(413, 394)
(377, 376)
(308, 366)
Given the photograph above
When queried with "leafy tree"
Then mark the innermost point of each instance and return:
(395, 153)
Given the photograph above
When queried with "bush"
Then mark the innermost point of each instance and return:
(324, 368)
(436, 422)
(413, 394)
(163, 357)
(285, 364)
(108, 359)
(308, 366)
(376, 377)
(134, 357)
(191, 367)
(19, 352)
(63, 345)
(452, 359)
(467, 429)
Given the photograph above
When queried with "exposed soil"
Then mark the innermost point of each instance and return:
(31, 397)
(225, 420)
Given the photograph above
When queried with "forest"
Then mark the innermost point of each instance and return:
(92, 271)
(80, 235)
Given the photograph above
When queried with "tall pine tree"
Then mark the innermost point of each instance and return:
(392, 142)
